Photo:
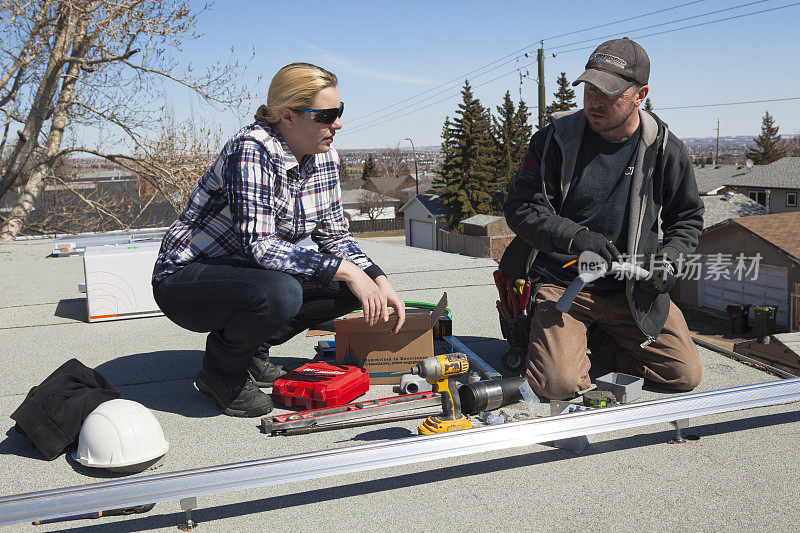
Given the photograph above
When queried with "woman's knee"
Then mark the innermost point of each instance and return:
(278, 300)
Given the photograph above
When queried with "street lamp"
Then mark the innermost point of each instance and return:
(413, 151)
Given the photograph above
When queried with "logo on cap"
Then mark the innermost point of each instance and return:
(608, 58)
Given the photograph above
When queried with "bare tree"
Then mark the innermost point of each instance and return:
(110, 58)
(390, 163)
(372, 204)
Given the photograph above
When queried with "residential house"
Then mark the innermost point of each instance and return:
(775, 185)
(752, 260)
(389, 185)
(357, 202)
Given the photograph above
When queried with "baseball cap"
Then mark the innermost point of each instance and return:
(616, 65)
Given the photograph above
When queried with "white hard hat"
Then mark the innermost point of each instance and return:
(121, 435)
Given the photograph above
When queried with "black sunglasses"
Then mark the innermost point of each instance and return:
(326, 116)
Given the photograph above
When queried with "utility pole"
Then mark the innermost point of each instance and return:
(414, 151)
(716, 154)
(540, 80)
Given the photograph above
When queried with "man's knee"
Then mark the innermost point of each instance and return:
(556, 384)
(686, 376)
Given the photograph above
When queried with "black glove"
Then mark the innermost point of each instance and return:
(591, 241)
(662, 276)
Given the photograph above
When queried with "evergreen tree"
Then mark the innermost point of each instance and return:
(648, 105)
(565, 96)
(466, 177)
(767, 144)
(369, 168)
(343, 175)
(511, 134)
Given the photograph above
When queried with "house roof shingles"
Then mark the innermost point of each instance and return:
(710, 177)
(781, 230)
(782, 174)
(722, 207)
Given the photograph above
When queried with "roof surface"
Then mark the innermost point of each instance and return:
(740, 475)
(481, 220)
(710, 177)
(783, 173)
(780, 229)
(432, 202)
(721, 207)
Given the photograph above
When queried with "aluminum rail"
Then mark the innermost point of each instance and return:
(742, 358)
(475, 361)
(197, 482)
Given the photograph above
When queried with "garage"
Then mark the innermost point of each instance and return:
(770, 238)
(769, 288)
(423, 215)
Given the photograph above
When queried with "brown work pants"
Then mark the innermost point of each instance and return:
(557, 364)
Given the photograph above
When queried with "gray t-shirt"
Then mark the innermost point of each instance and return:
(598, 199)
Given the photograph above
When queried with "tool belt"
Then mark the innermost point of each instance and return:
(513, 309)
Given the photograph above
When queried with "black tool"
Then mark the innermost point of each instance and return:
(489, 394)
(137, 509)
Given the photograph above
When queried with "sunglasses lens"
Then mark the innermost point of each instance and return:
(328, 116)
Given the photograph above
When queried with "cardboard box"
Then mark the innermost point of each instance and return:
(118, 281)
(382, 353)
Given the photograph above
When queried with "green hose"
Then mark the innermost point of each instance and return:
(421, 305)
(427, 305)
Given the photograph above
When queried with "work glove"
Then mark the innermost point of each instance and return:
(590, 241)
(662, 275)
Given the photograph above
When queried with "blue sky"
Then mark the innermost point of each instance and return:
(387, 52)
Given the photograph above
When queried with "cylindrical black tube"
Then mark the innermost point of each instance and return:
(489, 394)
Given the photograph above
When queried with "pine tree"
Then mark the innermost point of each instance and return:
(369, 168)
(565, 96)
(466, 177)
(511, 134)
(648, 105)
(343, 174)
(767, 144)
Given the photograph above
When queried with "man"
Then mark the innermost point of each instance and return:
(595, 180)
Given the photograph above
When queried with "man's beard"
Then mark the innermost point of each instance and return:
(599, 128)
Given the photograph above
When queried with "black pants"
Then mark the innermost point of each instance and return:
(245, 308)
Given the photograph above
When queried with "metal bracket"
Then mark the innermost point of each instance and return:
(679, 425)
(187, 504)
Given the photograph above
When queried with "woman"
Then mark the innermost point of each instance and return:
(230, 264)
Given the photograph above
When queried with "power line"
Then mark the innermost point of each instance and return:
(728, 103)
(404, 110)
(733, 17)
(716, 12)
(515, 55)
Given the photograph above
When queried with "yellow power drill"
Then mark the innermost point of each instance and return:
(438, 371)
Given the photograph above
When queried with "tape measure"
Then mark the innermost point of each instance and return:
(599, 398)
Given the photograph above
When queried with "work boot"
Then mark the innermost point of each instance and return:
(235, 396)
(263, 371)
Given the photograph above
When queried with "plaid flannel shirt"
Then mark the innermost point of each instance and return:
(256, 202)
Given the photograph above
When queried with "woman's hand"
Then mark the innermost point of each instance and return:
(392, 300)
(372, 299)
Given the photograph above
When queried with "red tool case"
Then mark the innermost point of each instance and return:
(316, 385)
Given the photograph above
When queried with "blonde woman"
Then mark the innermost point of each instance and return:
(230, 264)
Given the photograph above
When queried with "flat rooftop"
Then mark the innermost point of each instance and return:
(741, 474)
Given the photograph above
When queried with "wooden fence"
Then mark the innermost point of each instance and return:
(383, 224)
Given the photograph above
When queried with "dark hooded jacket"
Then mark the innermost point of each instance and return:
(663, 184)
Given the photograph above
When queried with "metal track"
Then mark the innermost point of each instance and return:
(475, 362)
(188, 483)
